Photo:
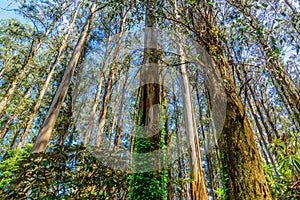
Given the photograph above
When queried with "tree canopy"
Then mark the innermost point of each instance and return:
(150, 100)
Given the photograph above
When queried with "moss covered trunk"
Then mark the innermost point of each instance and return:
(243, 176)
(149, 183)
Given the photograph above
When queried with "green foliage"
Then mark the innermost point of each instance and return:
(298, 48)
(10, 165)
(148, 185)
(285, 183)
(15, 41)
(210, 3)
(221, 193)
(64, 173)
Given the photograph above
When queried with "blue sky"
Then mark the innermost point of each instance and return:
(6, 4)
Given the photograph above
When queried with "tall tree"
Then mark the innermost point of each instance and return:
(151, 183)
(239, 153)
(48, 78)
(49, 122)
(34, 48)
(198, 187)
(111, 78)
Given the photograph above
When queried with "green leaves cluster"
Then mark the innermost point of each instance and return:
(64, 173)
(10, 165)
(148, 185)
(285, 184)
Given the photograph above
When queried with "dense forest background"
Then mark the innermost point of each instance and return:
(150, 99)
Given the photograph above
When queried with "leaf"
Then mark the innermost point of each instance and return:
(298, 48)
(210, 3)
(276, 50)
(296, 163)
(273, 40)
(283, 14)
(281, 165)
(158, 11)
(260, 29)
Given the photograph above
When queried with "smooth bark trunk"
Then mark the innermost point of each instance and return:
(49, 122)
(198, 186)
(38, 102)
(111, 78)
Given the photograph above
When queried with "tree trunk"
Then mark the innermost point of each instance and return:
(149, 115)
(107, 93)
(198, 186)
(170, 188)
(208, 155)
(27, 61)
(113, 115)
(49, 122)
(240, 156)
(48, 79)
(241, 164)
(121, 114)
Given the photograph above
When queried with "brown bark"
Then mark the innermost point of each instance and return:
(150, 87)
(121, 114)
(240, 156)
(148, 112)
(239, 152)
(113, 114)
(49, 122)
(108, 86)
(198, 186)
(104, 107)
(47, 81)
